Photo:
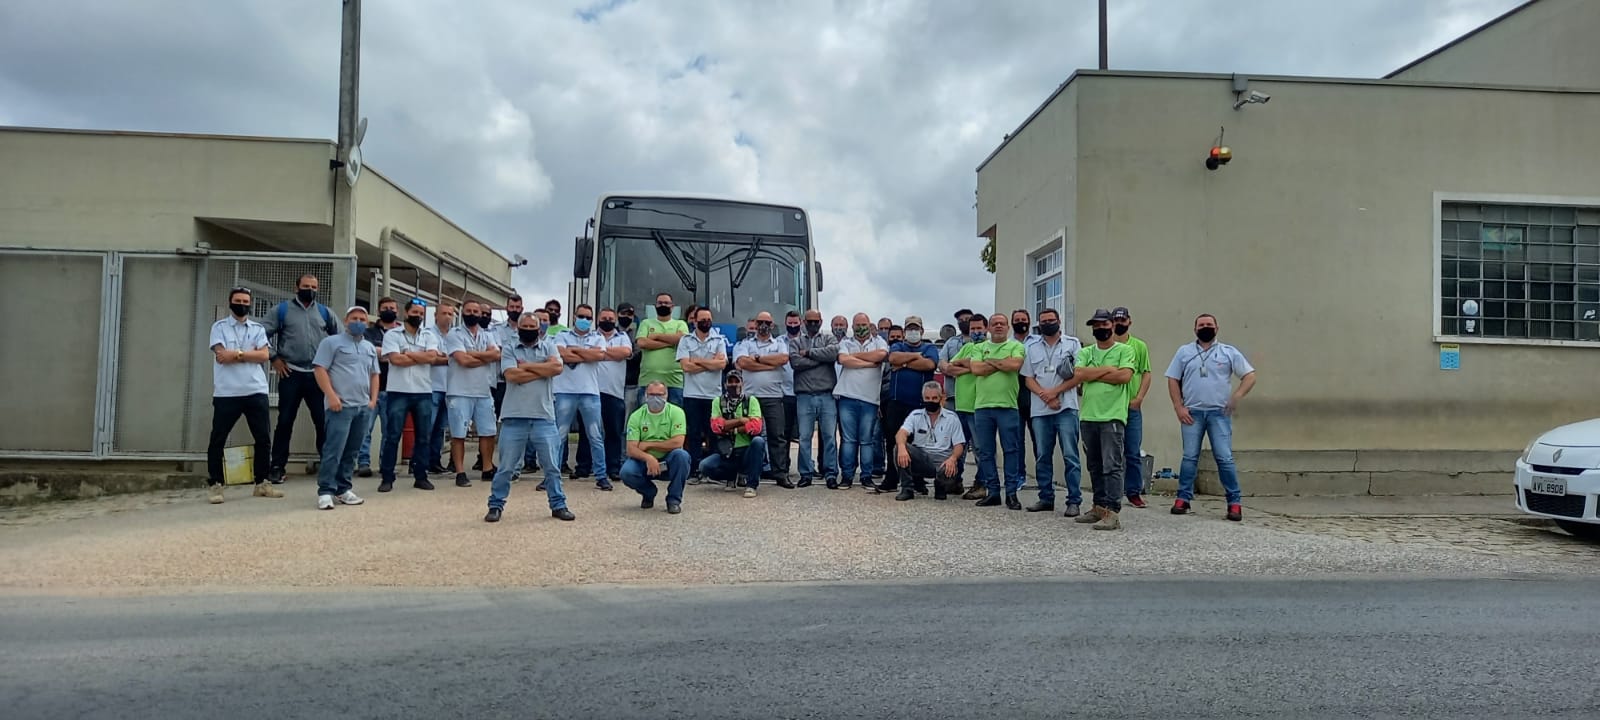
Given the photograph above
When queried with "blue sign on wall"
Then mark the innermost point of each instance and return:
(1450, 357)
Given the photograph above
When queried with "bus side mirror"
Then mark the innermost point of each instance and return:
(818, 265)
(582, 257)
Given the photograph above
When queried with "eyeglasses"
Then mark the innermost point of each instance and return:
(419, 302)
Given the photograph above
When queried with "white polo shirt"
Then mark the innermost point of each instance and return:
(583, 378)
(862, 384)
(413, 379)
(764, 383)
(1044, 362)
(702, 385)
(938, 438)
(613, 374)
(238, 379)
(474, 381)
(441, 373)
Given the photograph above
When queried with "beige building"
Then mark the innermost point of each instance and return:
(1364, 230)
(117, 251)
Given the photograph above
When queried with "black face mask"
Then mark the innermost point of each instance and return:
(1049, 329)
(239, 309)
(1121, 329)
(839, 333)
(703, 325)
(512, 315)
(792, 329)
(763, 328)
(555, 316)
(930, 406)
(1020, 328)
(814, 327)
(1102, 334)
(607, 325)
(414, 320)
(624, 321)
(527, 336)
(388, 316)
(1206, 334)
(471, 320)
(306, 295)
(663, 311)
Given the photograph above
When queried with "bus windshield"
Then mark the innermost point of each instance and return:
(735, 276)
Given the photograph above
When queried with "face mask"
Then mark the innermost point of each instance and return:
(793, 329)
(512, 315)
(388, 316)
(913, 336)
(414, 320)
(239, 309)
(607, 325)
(1102, 334)
(862, 331)
(813, 328)
(763, 328)
(838, 333)
(306, 295)
(883, 334)
(555, 316)
(656, 403)
(1020, 328)
(979, 335)
(356, 327)
(624, 321)
(469, 320)
(582, 324)
(527, 336)
(544, 327)
(930, 406)
(1121, 329)
(1049, 329)
(1206, 334)
(663, 311)
(703, 325)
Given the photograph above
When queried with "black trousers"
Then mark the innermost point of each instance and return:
(298, 387)
(225, 413)
(614, 420)
(1025, 411)
(697, 415)
(894, 415)
(775, 421)
(925, 467)
(791, 419)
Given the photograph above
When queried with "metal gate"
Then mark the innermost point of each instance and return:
(134, 380)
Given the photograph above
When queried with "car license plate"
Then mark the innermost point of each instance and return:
(1549, 485)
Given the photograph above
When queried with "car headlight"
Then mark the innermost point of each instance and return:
(1528, 449)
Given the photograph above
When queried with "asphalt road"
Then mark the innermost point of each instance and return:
(1123, 648)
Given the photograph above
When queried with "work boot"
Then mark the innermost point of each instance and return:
(1042, 506)
(216, 494)
(976, 492)
(364, 471)
(385, 486)
(1090, 517)
(1012, 503)
(1071, 511)
(1108, 521)
(784, 482)
(266, 491)
(906, 493)
(988, 501)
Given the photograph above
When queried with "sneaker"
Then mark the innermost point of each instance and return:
(805, 482)
(437, 469)
(1072, 510)
(492, 516)
(324, 502)
(1235, 512)
(539, 487)
(1042, 506)
(1108, 521)
(976, 492)
(477, 464)
(364, 471)
(350, 498)
(1137, 501)
(276, 476)
(386, 486)
(266, 491)
(1180, 507)
(563, 514)
(695, 479)
(730, 486)
(906, 493)
(216, 494)
(422, 484)
(462, 481)
(749, 492)
(1092, 516)
(647, 503)
(988, 501)
(604, 484)
(674, 508)
(489, 474)
(845, 483)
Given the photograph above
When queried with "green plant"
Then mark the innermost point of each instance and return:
(988, 256)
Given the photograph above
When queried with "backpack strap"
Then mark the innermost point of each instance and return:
(327, 320)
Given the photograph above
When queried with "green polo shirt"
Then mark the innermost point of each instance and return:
(997, 390)
(967, 385)
(752, 408)
(644, 426)
(1102, 401)
(1141, 364)
(660, 365)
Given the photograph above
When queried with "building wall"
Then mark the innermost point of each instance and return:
(1315, 246)
(1549, 43)
(381, 203)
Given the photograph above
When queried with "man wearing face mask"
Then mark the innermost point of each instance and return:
(1200, 384)
(388, 319)
(861, 359)
(928, 444)
(960, 367)
(552, 308)
(997, 363)
(655, 449)
(1047, 372)
(473, 358)
(762, 358)
(528, 417)
(882, 431)
(613, 407)
(813, 354)
(346, 368)
(839, 326)
(912, 362)
(1022, 332)
(791, 405)
(736, 436)
(505, 334)
(1104, 370)
(578, 389)
(951, 346)
(702, 354)
(658, 349)
(296, 328)
(1133, 443)
(239, 389)
(444, 320)
(627, 323)
(410, 350)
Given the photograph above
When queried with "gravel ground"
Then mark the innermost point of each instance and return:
(173, 541)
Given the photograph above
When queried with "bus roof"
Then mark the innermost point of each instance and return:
(696, 196)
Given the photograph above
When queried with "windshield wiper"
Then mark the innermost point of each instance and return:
(677, 265)
(749, 260)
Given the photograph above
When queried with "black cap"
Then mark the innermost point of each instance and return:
(625, 308)
(1120, 313)
(962, 311)
(1100, 315)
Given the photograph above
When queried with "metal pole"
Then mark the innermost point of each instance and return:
(1103, 63)
(344, 228)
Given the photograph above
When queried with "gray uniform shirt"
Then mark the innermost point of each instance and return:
(303, 330)
(530, 399)
(813, 357)
(351, 362)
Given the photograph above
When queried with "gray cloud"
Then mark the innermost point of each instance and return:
(512, 117)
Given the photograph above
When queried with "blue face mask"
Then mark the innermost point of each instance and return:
(582, 324)
(356, 327)
(979, 335)
(544, 327)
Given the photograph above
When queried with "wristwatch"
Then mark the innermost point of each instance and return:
(239, 356)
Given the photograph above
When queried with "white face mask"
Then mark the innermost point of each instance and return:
(913, 336)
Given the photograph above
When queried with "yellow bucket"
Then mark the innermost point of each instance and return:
(238, 465)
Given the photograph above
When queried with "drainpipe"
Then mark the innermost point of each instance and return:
(383, 247)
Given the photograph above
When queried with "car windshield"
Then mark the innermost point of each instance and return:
(735, 277)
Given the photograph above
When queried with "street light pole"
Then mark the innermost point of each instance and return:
(344, 229)
(1103, 63)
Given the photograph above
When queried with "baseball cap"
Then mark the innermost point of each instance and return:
(913, 320)
(1100, 315)
(962, 311)
(624, 308)
(1120, 313)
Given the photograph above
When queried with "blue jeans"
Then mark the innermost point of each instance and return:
(569, 405)
(520, 437)
(441, 420)
(340, 445)
(1049, 431)
(1220, 428)
(1007, 423)
(856, 422)
(817, 413)
(748, 459)
(394, 407)
(364, 458)
(966, 432)
(1133, 465)
(674, 469)
(674, 396)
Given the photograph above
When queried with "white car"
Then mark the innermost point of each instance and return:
(1558, 477)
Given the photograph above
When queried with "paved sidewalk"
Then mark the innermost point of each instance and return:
(1369, 506)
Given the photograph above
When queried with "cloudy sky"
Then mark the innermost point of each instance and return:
(512, 116)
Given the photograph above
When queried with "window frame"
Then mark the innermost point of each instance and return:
(1439, 201)
(1056, 244)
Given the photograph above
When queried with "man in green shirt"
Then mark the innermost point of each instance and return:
(655, 449)
(1104, 371)
(997, 363)
(1133, 442)
(975, 331)
(658, 350)
(738, 443)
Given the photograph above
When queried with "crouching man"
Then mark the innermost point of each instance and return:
(738, 446)
(655, 449)
(930, 445)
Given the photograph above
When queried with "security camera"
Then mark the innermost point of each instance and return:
(1254, 96)
(518, 261)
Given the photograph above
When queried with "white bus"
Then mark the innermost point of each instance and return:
(736, 257)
